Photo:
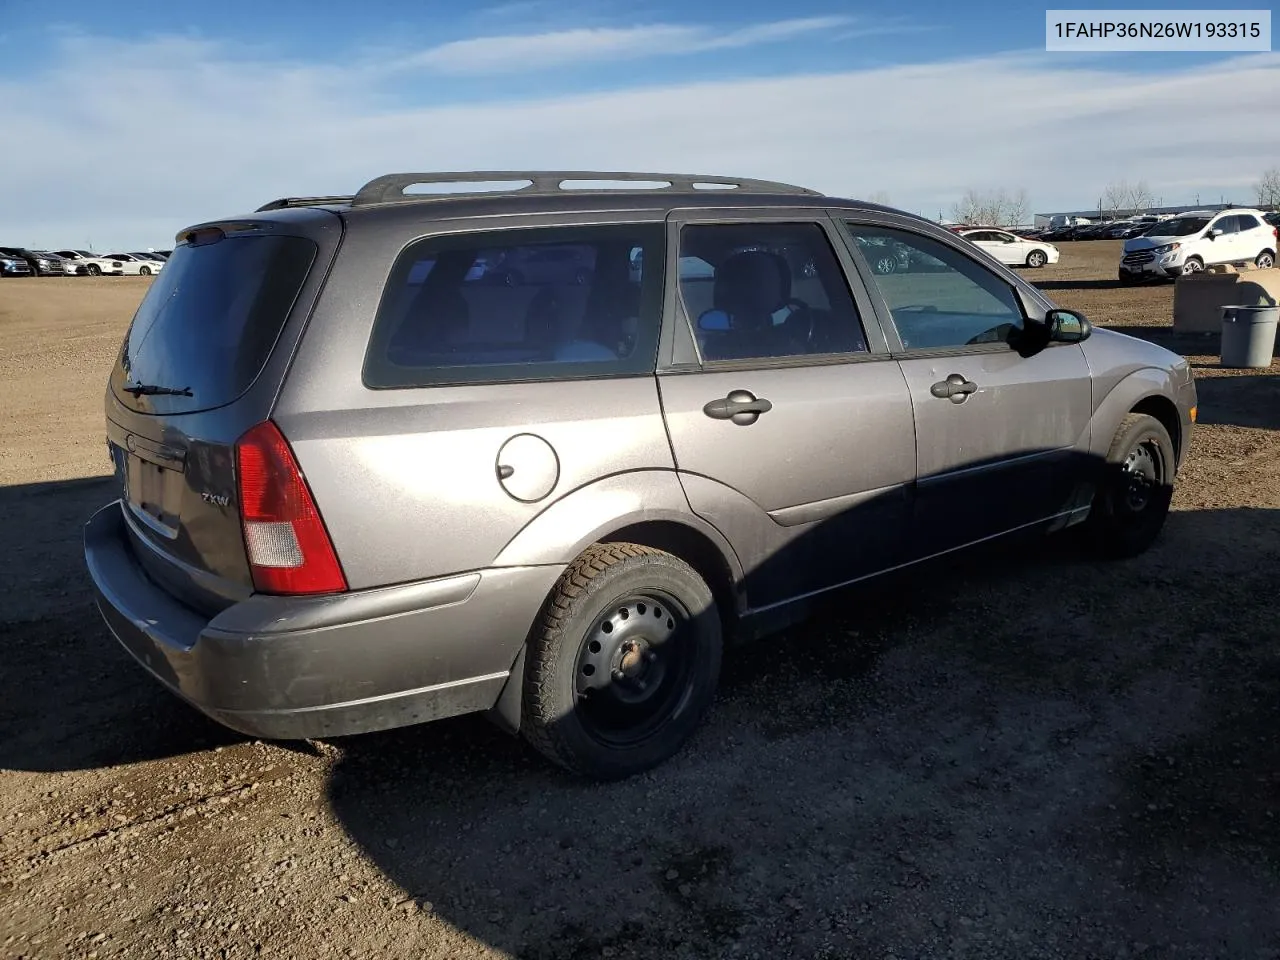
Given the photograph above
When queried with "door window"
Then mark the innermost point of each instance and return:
(766, 291)
(1227, 225)
(944, 299)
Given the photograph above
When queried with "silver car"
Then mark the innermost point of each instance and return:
(362, 485)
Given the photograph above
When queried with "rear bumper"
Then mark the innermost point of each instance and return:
(300, 667)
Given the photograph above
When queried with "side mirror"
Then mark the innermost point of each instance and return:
(716, 320)
(1213, 234)
(1067, 326)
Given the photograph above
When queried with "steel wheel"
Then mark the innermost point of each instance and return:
(633, 671)
(1144, 470)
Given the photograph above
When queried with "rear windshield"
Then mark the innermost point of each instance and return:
(210, 319)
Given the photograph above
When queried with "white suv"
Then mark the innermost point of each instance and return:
(1191, 241)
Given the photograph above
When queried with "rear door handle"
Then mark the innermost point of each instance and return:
(741, 406)
(955, 388)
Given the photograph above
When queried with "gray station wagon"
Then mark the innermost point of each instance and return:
(539, 448)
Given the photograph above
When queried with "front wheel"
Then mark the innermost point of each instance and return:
(1133, 498)
(1193, 265)
(94, 270)
(1037, 258)
(623, 663)
(144, 271)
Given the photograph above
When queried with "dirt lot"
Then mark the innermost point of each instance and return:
(1005, 757)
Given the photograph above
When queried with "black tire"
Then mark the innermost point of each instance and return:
(649, 615)
(144, 271)
(1126, 278)
(94, 270)
(1192, 265)
(1265, 260)
(1136, 488)
(1037, 259)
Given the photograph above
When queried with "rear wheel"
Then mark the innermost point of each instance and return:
(623, 663)
(1266, 260)
(1133, 498)
(1037, 258)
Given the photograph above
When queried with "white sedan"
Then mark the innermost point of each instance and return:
(1011, 249)
(132, 264)
(93, 264)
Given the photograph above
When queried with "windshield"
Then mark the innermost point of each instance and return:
(1180, 226)
(210, 320)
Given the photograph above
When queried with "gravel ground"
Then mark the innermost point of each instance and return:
(1020, 754)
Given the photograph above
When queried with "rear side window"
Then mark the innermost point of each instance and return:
(211, 318)
(515, 305)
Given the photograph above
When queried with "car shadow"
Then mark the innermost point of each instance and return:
(974, 737)
(70, 697)
(1240, 401)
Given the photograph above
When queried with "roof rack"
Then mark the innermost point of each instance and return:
(301, 202)
(390, 188)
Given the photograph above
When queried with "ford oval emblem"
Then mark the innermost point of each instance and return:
(131, 442)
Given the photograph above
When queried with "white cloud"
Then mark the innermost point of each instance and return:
(526, 52)
(177, 131)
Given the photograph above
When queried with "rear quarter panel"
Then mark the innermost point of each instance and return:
(406, 479)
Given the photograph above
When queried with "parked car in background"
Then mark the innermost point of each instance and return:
(1011, 249)
(1273, 218)
(93, 264)
(1199, 238)
(62, 266)
(131, 264)
(12, 265)
(41, 265)
(152, 257)
(572, 493)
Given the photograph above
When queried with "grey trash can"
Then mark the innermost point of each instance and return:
(1248, 336)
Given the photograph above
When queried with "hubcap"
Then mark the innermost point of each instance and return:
(1143, 470)
(633, 669)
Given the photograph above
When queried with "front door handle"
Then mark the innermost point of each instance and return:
(741, 406)
(955, 388)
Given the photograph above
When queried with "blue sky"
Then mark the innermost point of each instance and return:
(121, 130)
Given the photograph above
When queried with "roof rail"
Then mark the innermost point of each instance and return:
(301, 202)
(390, 188)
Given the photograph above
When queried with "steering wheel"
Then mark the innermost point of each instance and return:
(998, 334)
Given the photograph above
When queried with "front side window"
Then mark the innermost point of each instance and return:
(943, 299)
(1228, 225)
(759, 291)
(518, 305)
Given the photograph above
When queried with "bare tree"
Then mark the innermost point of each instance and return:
(1269, 188)
(1115, 198)
(1018, 209)
(997, 208)
(1139, 199)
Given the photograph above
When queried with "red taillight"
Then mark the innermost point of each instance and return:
(288, 547)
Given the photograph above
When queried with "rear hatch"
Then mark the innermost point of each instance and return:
(199, 367)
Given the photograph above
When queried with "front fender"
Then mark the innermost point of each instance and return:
(1131, 390)
(595, 511)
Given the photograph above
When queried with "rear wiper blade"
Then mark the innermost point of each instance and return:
(151, 390)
